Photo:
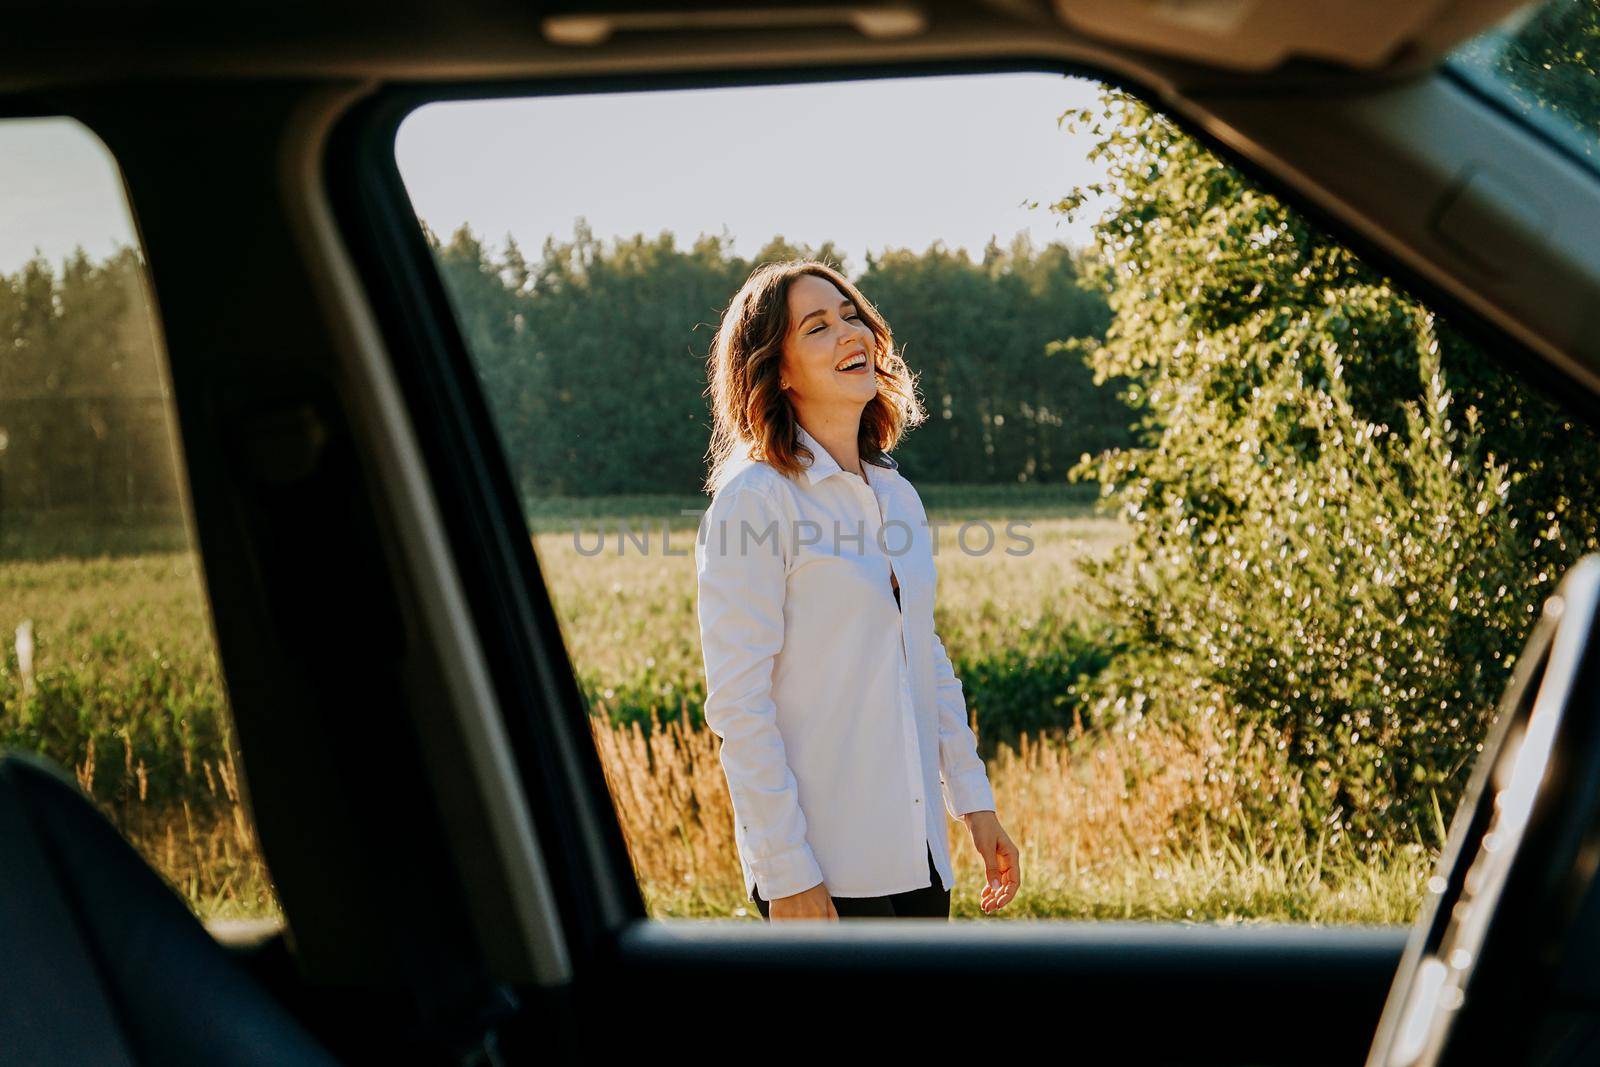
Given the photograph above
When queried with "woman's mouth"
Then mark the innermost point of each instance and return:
(856, 364)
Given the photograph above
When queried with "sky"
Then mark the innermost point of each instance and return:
(869, 164)
(59, 188)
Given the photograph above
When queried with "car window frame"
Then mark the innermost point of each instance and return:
(530, 663)
(242, 932)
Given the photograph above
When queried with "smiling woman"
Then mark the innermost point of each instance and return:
(838, 710)
(800, 328)
(1248, 690)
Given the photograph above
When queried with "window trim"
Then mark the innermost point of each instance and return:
(1478, 86)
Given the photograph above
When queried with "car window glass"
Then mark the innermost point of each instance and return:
(109, 668)
(1264, 533)
(1543, 63)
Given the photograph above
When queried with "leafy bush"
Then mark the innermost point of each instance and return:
(1345, 516)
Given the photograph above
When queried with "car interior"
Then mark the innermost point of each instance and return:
(380, 618)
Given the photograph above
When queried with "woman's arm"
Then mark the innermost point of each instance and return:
(968, 796)
(961, 772)
(742, 584)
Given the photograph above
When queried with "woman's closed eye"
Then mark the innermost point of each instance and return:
(824, 327)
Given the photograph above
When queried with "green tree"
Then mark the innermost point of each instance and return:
(983, 337)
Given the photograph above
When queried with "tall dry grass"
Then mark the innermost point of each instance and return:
(1130, 825)
(208, 853)
(124, 690)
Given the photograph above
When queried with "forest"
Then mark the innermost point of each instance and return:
(593, 356)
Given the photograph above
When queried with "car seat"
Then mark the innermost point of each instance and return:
(100, 961)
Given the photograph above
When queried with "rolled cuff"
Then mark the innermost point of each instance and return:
(968, 793)
(786, 873)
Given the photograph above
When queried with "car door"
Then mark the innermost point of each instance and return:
(422, 774)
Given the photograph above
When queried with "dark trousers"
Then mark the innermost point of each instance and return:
(929, 902)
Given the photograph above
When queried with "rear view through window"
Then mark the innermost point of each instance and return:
(109, 666)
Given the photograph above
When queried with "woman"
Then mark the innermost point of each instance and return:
(842, 722)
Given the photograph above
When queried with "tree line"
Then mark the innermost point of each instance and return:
(593, 356)
(83, 402)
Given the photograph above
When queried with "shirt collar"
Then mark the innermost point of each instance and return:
(823, 465)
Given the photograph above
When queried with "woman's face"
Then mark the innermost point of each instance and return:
(828, 351)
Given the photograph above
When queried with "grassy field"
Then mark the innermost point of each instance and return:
(628, 613)
(1096, 818)
(124, 692)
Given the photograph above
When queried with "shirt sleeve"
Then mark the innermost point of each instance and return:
(742, 581)
(962, 776)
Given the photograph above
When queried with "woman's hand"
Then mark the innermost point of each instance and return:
(814, 903)
(1001, 861)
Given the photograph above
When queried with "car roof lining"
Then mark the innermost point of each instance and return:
(48, 45)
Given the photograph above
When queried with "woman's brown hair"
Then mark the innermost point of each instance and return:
(750, 413)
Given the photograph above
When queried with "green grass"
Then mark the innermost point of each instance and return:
(628, 614)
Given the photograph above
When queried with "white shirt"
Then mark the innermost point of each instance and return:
(841, 719)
